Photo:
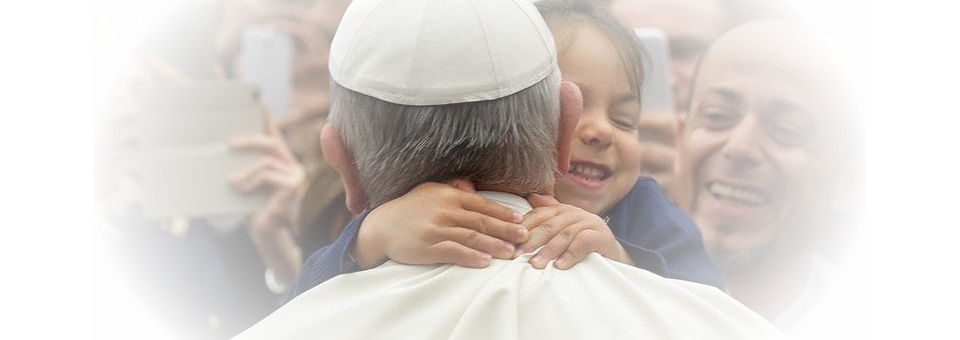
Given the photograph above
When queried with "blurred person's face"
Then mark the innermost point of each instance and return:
(312, 24)
(690, 26)
(758, 152)
(605, 153)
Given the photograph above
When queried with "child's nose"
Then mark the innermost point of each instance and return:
(594, 129)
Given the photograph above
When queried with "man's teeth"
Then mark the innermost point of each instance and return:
(589, 172)
(736, 195)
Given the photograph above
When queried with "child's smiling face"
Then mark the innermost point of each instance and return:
(605, 160)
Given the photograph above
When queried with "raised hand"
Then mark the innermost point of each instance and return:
(281, 175)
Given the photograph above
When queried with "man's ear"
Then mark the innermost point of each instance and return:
(341, 159)
(571, 104)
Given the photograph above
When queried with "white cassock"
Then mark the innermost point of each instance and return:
(596, 299)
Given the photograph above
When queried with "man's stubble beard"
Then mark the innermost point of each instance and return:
(736, 260)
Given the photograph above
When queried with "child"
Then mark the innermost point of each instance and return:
(640, 226)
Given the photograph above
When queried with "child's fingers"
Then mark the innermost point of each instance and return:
(547, 230)
(537, 216)
(463, 184)
(538, 200)
(584, 243)
(554, 248)
(484, 224)
(539, 236)
(478, 241)
(477, 203)
(456, 253)
(453, 194)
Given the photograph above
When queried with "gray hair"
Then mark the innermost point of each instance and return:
(510, 142)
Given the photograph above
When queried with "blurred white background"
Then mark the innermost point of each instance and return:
(59, 57)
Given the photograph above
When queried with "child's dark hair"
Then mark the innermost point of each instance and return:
(568, 13)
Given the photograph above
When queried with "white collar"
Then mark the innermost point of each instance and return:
(512, 201)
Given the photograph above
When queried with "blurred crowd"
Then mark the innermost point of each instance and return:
(762, 152)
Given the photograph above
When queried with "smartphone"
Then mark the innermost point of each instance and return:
(185, 161)
(656, 91)
(266, 59)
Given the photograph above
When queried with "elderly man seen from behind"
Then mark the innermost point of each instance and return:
(436, 90)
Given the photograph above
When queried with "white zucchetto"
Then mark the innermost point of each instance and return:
(433, 52)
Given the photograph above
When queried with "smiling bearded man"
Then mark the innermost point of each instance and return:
(771, 164)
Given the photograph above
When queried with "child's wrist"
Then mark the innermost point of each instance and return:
(368, 250)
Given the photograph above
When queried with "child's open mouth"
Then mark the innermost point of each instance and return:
(589, 172)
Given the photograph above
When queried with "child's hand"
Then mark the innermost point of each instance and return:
(567, 234)
(439, 223)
